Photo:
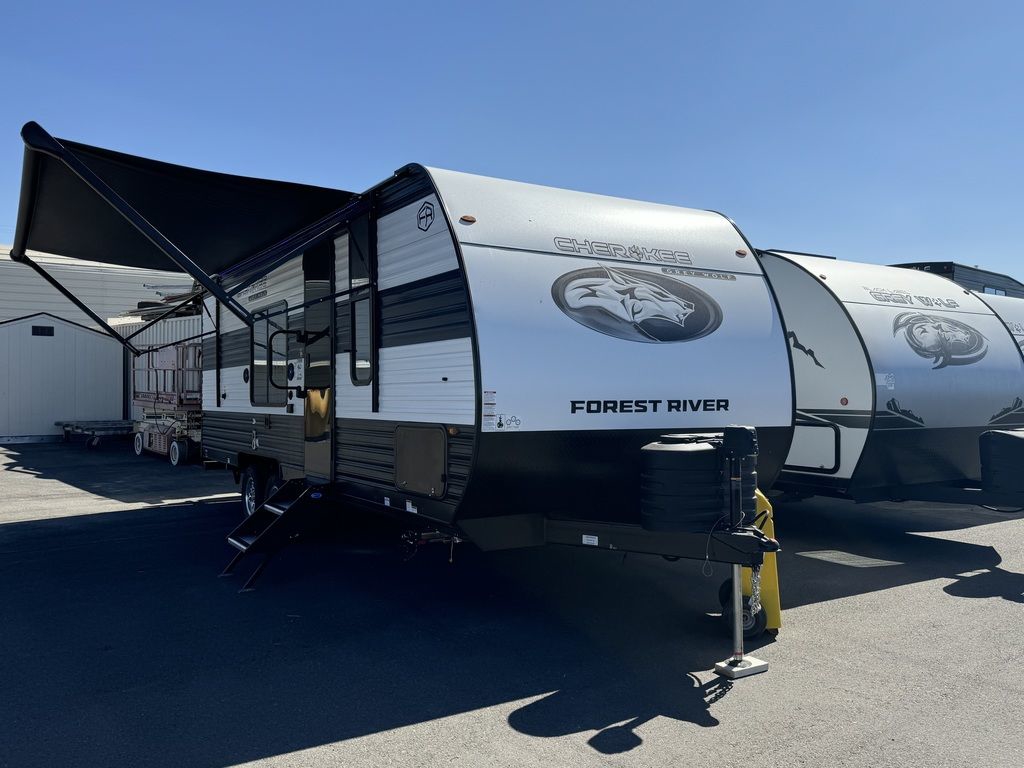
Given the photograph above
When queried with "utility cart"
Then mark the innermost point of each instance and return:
(167, 383)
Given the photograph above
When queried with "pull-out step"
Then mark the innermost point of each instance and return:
(294, 507)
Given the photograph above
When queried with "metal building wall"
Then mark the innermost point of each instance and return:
(106, 289)
(47, 378)
(74, 374)
(165, 332)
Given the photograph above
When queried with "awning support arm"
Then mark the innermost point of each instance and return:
(163, 315)
(187, 339)
(78, 303)
(39, 140)
(276, 255)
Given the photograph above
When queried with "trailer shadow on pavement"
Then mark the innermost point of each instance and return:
(120, 646)
(834, 549)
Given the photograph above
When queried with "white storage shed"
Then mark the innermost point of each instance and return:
(54, 364)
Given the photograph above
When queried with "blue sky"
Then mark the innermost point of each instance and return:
(879, 132)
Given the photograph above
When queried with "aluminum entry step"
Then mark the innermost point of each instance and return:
(241, 543)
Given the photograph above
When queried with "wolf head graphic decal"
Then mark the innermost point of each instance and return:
(637, 305)
(941, 339)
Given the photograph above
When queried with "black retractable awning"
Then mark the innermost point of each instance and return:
(95, 204)
(216, 219)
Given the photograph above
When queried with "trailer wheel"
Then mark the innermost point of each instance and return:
(178, 452)
(725, 593)
(273, 483)
(137, 443)
(753, 626)
(253, 489)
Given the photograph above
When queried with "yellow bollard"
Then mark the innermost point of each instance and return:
(769, 571)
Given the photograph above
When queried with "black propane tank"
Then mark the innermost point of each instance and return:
(684, 483)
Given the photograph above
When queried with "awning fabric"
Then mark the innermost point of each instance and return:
(216, 219)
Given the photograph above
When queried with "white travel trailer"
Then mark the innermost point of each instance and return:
(898, 373)
(476, 348)
(484, 359)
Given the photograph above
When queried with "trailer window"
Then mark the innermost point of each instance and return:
(270, 359)
(359, 253)
(359, 273)
(362, 363)
(341, 262)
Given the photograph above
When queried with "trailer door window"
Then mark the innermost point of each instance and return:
(273, 359)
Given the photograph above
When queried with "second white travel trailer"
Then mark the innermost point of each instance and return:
(898, 375)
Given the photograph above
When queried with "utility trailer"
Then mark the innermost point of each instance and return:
(484, 360)
(95, 431)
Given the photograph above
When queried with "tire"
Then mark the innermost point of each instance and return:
(137, 443)
(177, 452)
(253, 488)
(725, 593)
(273, 483)
(753, 626)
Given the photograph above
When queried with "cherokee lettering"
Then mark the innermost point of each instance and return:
(621, 251)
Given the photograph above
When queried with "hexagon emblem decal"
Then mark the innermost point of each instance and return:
(425, 217)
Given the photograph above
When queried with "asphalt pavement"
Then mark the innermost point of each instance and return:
(119, 644)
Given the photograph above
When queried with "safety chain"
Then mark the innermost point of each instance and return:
(755, 590)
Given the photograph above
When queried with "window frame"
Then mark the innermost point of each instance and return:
(266, 315)
(362, 289)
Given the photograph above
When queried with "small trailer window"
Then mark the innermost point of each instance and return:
(267, 359)
(360, 286)
(362, 363)
(42, 330)
(359, 253)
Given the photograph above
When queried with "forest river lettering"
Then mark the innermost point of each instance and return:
(647, 406)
